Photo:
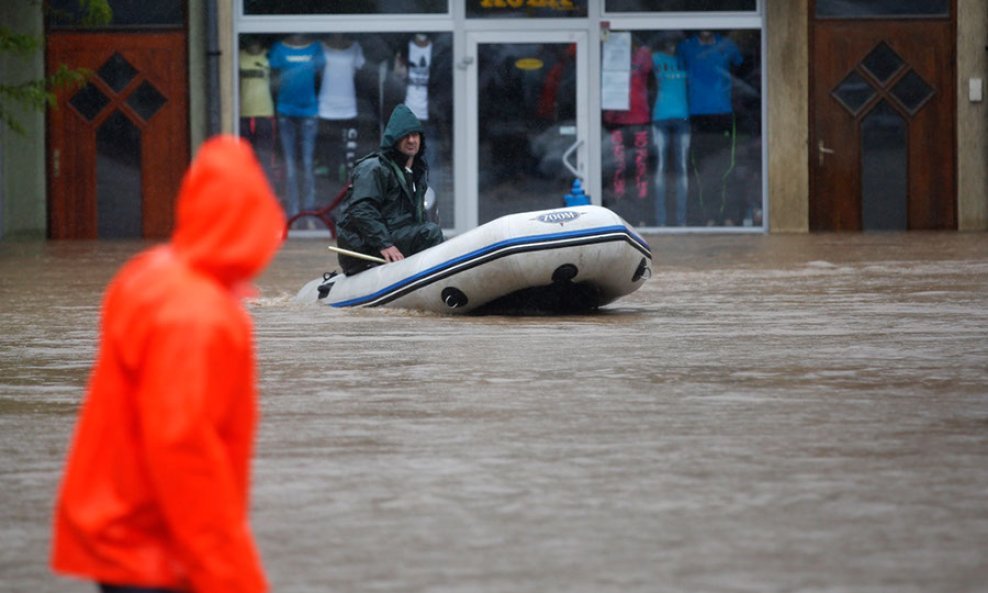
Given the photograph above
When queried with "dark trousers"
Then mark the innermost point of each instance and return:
(408, 240)
(712, 157)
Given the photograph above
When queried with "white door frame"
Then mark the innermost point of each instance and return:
(467, 210)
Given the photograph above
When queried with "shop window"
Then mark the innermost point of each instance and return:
(312, 104)
(682, 120)
(362, 7)
(527, 113)
(681, 5)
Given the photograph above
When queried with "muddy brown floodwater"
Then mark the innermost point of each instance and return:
(770, 413)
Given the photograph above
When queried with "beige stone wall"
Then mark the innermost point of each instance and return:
(23, 213)
(228, 49)
(197, 74)
(972, 118)
(199, 68)
(787, 67)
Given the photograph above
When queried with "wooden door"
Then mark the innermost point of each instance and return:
(118, 147)
(882, 140)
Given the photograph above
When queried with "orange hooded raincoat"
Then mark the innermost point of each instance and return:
(155, 492)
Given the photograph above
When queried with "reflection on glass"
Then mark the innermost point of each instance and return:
(526, 9)
(118, 178)
(346, 99)
(680, 5)
(686, 150)
(627, 141)
(882, 8)
(884, 198)
(347, 7)
(527, 111)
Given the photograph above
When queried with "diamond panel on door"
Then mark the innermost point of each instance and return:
(882, 63)
(89, 101)
(146, 100)
(117, 72)
(854, 92)
(885, 68)
(912, 92)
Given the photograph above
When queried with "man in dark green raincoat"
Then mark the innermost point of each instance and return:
(383, 214)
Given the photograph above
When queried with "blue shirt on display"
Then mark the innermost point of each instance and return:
(670, 103)
(298, 66)
(709, 68)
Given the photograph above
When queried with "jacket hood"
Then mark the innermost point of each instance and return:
(402, 123)
(228, 223)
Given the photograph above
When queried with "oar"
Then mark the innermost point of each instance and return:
(358, 255)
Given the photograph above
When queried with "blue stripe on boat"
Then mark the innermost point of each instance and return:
(393, 291)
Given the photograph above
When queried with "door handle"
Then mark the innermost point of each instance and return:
(822, 151)
(56, 163)
(569, 151)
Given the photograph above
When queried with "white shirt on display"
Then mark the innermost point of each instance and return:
(338, 93)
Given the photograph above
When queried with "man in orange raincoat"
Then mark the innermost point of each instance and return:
(155, 493)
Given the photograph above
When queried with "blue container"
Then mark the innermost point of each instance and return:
(576, 195)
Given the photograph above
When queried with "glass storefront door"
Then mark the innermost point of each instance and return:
(527, 119)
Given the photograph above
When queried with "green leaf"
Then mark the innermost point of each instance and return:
(40, 94)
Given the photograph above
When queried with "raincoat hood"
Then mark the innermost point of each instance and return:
(228, 224)
(402, 123)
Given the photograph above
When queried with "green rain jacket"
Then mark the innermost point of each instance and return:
(381, 202)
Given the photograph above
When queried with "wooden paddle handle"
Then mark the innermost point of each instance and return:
(358, 255)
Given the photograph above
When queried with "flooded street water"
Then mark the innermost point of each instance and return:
(770, 413)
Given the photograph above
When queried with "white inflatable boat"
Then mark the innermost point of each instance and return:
(567, 260)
